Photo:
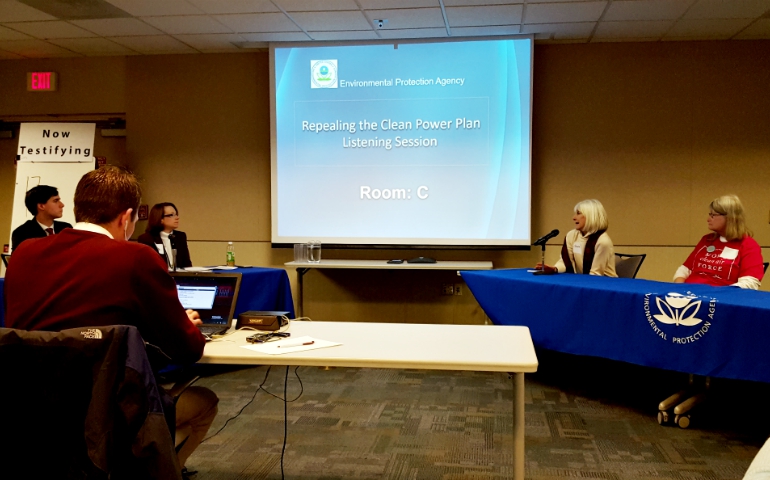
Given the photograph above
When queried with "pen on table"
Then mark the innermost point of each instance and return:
(295, 344)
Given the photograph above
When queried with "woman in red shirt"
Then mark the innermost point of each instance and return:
(728, 256)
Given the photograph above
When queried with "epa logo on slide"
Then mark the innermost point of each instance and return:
(323, 73)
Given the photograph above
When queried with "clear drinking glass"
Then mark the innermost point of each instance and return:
(314, 251)
(300, 252)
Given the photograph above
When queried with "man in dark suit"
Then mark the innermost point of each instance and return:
(44, 203)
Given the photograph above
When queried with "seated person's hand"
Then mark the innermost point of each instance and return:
(194, 317)
(545, 268)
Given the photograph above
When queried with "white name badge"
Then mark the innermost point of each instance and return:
(159, 246)
(577, 248)
(729, 253)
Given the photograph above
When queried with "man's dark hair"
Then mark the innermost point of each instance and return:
(39, 194)
(105, 193)
(156, 216)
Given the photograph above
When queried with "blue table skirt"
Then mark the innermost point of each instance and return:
(2, 302)
(265, 289)
(716, 331)
(261, 289)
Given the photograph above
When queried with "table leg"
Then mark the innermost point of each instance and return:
(518, 426)
(300, 275)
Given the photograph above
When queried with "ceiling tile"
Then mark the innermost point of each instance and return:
(629, 39)
(219, 42)
(563, 12)
(758, 29)
(77, 9)
(704, 9)
(711, 29)
(8, 34)
(329, 21)
(411, 18)
(467, 3)
(235, 6)
(9, 56)
(555, 1)
(154, 44)
(261, 22)
(52, 29)
(481, 16)
(413, 33)
(646, 10)
(13, 11)
(188, 24)
(143, 8)
(297, 36)
(316, 5)
(357, 35)
(644, 29)
(564, 41)
(117, 27)
(93, 46)
(392, 4)
(36, 49)
(485, 31)
(561, 31)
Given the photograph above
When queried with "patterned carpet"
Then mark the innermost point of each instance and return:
(585, 418)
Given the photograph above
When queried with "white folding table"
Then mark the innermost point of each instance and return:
(489, 348)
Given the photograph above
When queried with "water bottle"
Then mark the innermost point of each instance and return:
(230, 254)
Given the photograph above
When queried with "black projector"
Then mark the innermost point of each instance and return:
(268, 321)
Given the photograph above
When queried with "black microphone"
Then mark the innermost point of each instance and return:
(546, 237)
(172, 241)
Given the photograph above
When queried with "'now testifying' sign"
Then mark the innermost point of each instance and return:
(56, 142)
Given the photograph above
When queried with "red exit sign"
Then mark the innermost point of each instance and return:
(41, 81)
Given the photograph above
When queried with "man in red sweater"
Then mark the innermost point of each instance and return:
(90, 275)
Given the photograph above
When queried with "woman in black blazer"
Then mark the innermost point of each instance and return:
(161, 234)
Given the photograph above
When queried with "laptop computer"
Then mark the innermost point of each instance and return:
(212, 295)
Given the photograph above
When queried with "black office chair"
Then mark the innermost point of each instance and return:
(627, 265)
(765, 265)
(83, 403)
(7, 256)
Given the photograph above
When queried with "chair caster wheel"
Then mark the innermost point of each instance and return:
(682, 420)
(663, 417)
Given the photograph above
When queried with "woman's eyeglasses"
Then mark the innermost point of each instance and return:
(170, 215)
(712, 214)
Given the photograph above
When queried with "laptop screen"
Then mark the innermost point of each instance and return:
(212, 295)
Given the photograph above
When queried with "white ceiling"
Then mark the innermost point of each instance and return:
(73, 28)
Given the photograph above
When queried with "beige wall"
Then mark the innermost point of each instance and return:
(654, 130)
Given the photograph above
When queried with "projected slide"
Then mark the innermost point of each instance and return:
(414, 143)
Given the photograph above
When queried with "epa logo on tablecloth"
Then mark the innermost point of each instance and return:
(323, 73)
(677, 310)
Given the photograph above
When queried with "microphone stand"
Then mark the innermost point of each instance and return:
(542, 270)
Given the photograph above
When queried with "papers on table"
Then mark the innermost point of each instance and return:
(222, 267)
(290, 345)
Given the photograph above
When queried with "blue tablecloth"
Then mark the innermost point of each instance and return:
(716, 331)
(2, 302)
(265, 289)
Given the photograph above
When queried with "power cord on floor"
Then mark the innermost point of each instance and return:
(267, 373)
(285, 401)
(285, 415)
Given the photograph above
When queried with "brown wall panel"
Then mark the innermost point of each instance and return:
(200, 138)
